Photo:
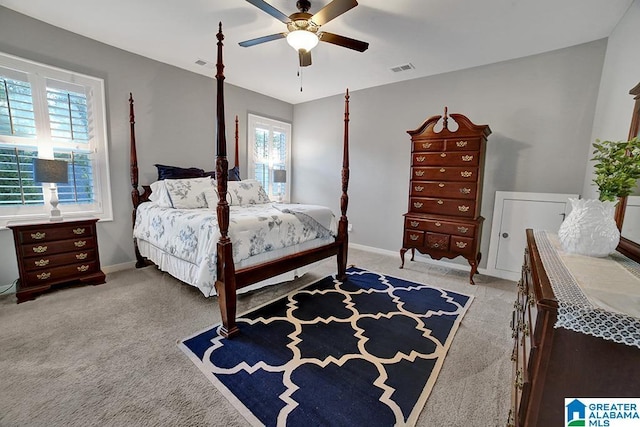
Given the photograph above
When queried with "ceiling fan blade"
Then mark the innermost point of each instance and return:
(333, 10)
(262, 39)
(267, 8)
(343, 41)
(305, 57)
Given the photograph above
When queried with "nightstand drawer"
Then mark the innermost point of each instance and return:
(46, 248)
(47, 275)
(42, 234)
(50, 261)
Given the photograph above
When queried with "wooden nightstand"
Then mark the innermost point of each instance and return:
(53, 253)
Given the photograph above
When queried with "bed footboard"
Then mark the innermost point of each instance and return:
(228, 279)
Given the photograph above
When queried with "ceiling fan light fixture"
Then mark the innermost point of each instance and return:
(302, 39)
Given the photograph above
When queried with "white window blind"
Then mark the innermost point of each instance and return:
(270, 156)
(51, 113)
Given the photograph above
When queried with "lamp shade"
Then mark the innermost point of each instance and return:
(302, 39)
(279, 175)
(50, 171)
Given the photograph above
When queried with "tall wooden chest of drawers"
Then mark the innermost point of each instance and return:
(445, 192)
(52, 253)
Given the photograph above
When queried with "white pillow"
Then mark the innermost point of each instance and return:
(190, 193)
(247, 192)
(160, 195)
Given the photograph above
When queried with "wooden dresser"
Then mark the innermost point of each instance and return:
(553, 363)
(52, 253)
(445, 192)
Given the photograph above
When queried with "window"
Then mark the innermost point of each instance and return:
(270, 156)
(50, 113)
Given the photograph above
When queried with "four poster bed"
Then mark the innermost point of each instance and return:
(202, 246)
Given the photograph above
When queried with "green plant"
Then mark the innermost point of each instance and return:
(617, 167)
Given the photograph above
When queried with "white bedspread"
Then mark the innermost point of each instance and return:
(192, 234)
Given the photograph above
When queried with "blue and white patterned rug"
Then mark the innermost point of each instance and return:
(363, 352)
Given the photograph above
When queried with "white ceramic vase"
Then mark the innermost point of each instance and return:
(590, 228)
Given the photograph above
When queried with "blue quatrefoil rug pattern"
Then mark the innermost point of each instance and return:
(362, 352)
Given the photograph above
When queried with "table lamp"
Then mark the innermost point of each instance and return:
(54, 172)
(279, 177)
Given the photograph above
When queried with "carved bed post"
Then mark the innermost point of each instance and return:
(225, 282)
(236, 161)
(135, 193)
(343, 224)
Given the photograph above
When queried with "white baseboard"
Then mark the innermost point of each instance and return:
(8, 289)
(418, 257)
(118, 267)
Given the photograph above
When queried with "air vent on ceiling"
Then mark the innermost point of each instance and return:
(404, 67)
(205, 64)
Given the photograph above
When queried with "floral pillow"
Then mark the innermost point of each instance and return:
(190, 193)
(247, 192)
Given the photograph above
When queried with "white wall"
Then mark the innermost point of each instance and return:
(620, 73)
(175, 117)
(540, 109)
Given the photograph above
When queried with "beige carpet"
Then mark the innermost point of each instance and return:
(106, 355)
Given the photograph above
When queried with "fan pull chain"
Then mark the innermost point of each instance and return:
(300, 77)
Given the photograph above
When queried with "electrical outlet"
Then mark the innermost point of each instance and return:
(350, 227)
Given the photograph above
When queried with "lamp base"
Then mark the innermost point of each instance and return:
(55, 215)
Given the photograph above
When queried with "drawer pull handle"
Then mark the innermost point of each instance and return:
(80, 243)
(463, 229)
(440, 202)
(466, 174)
(467, 158)
(415, 223)
(418, 204)
(438, 224)
(465, 190)
(82, 255)
(83, 268)
(40, 249)
(420, 158)
(461, 144)
(443, 154)
(419, 173)
(418, 188)
(426, 144)
(38, 235)
(78, 231)
(442, 170)
(414, 237)
(461, 245)
(41, 263)
(43, 276)
(441, 185)
(463, 208)
(435, 245)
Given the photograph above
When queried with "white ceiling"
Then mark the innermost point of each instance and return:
(436, 36)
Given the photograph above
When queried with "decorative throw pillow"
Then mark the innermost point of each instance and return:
(190, 193)
(247, 192)
(175, 172)
(160, 195)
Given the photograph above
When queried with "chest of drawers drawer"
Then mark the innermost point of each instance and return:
(445, 173)
(54, 253)
(443, 189)
(440, 226)
(444, 158)
(453, 207)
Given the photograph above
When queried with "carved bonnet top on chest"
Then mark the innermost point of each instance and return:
(465, 127)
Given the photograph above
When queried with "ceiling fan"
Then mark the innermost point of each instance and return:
(304, 28)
